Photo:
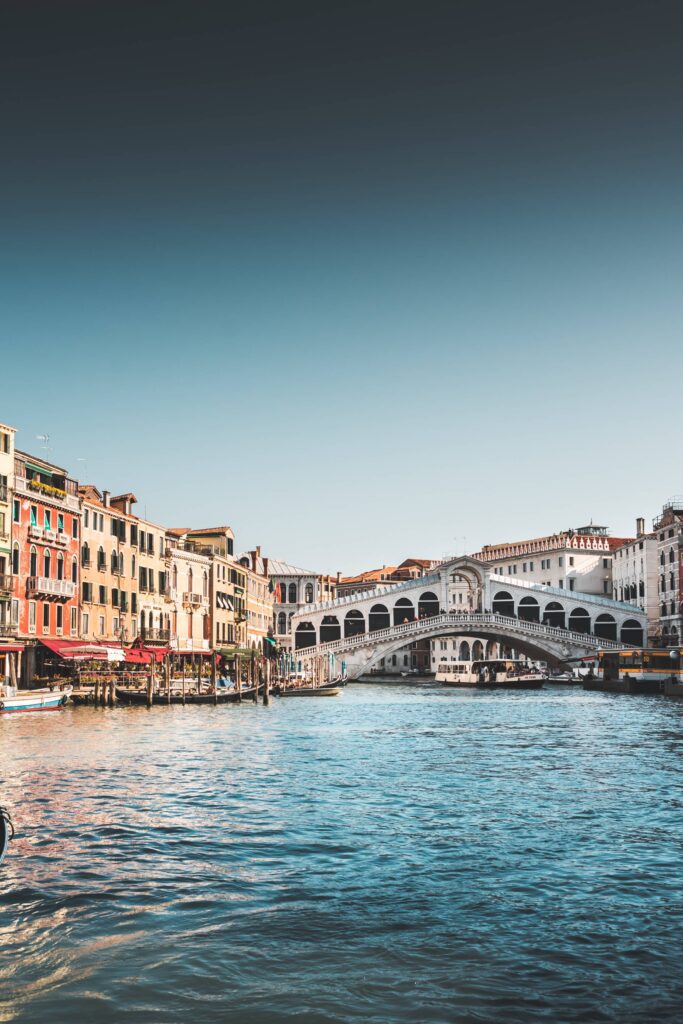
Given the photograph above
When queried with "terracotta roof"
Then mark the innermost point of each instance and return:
(210, 530)
(371, 574)
(425, 563)
(128, 496)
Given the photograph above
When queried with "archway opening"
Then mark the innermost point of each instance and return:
(428, 605)
(330, 629)
(632, 633)
(503, 604)
(554, 615)
(606, 627)
(354, 623)
(528, 610)
(304, 636)
(379, 618)
(403, 611)
(477, 650)
(579, 621)
(464, 652)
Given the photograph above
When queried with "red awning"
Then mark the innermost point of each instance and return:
(78, 650)
(145, 655)
(11, 648)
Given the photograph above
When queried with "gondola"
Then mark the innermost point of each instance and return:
(129, 695)
(6, 832)
(331, 689)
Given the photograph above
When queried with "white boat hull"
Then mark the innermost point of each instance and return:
(38, 701)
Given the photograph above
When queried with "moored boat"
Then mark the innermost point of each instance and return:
(312, 691)
(12, 701)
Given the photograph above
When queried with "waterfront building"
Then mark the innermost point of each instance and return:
(635, 577)
(109, 570)
(259, 599)
(189, 593)
(668, 528)
(9, 606)
(578, 559)
(46, 528)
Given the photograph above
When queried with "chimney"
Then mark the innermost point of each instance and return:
(106, 498)
(253, 560)
(640, 526)
(338, 575)
(258, 550)
(265, 566)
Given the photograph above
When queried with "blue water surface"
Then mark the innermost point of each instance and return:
(395, 854)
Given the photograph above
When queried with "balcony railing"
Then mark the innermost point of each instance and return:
(8, 628)
(51, 588)
(35, 532)
(155, 633)
(68, 498)
(192, 599)
(62, 539)
(5, 584)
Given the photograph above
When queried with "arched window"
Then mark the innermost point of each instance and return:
(175, 577)
(379, 618)
(329, 629)
(74, 570)
(47, 564)
(101, 558)
(205, 585)
(464, 653)
(85, 556)
(282, 623)
(309, 593)
(15, 560)
(60, 566)
(672, 557)
(114, 562)
(33, 566)
(503, 604)
(293, 597)
(190, 579)
(403, 611)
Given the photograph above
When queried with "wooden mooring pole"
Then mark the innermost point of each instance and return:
(214, 687)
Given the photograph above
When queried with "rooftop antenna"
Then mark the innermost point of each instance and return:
(45, 438)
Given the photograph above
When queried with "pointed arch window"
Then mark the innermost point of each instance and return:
(47, 564)
(33, 566)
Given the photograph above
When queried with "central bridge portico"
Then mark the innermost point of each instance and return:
(464, 597)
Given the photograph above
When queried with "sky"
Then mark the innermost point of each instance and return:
(363, 280)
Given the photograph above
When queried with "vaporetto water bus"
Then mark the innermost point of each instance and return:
(638, 670)
(491, 674)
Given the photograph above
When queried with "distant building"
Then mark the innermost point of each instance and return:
(578, 559)
(259, 599)
(668, 527)
(388, 575)
(634, 575)
(292, 589)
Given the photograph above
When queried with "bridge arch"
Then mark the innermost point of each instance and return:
(632, 633)
(378, 618)
(329, 629)
(529, 609)
(404, 611)
(503, 604)
(354, 622)
(428, 605)
(305, 636)
(579, 621)
(605, 626)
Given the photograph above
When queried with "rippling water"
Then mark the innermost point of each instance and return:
(392, 855)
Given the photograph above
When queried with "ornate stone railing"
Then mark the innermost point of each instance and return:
(419, 627)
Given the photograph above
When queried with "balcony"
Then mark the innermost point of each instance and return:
(68, 498)
(35, 532)
(62, 539)
(194, 600)
(5, 584)
(49, 536)
(44, 587)
(8, 628)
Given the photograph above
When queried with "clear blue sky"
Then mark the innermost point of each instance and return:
(362, 300)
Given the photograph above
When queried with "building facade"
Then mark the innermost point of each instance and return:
(9, 607)
(259, 599)
(46, 529)
(635, 578)
(109, 570)
(578, 560)
(292, 590)
(668, 528)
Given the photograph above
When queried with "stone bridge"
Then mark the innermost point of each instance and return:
(463, 597)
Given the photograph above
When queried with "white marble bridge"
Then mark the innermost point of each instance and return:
(463, 597)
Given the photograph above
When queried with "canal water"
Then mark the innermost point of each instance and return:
(390, 855)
